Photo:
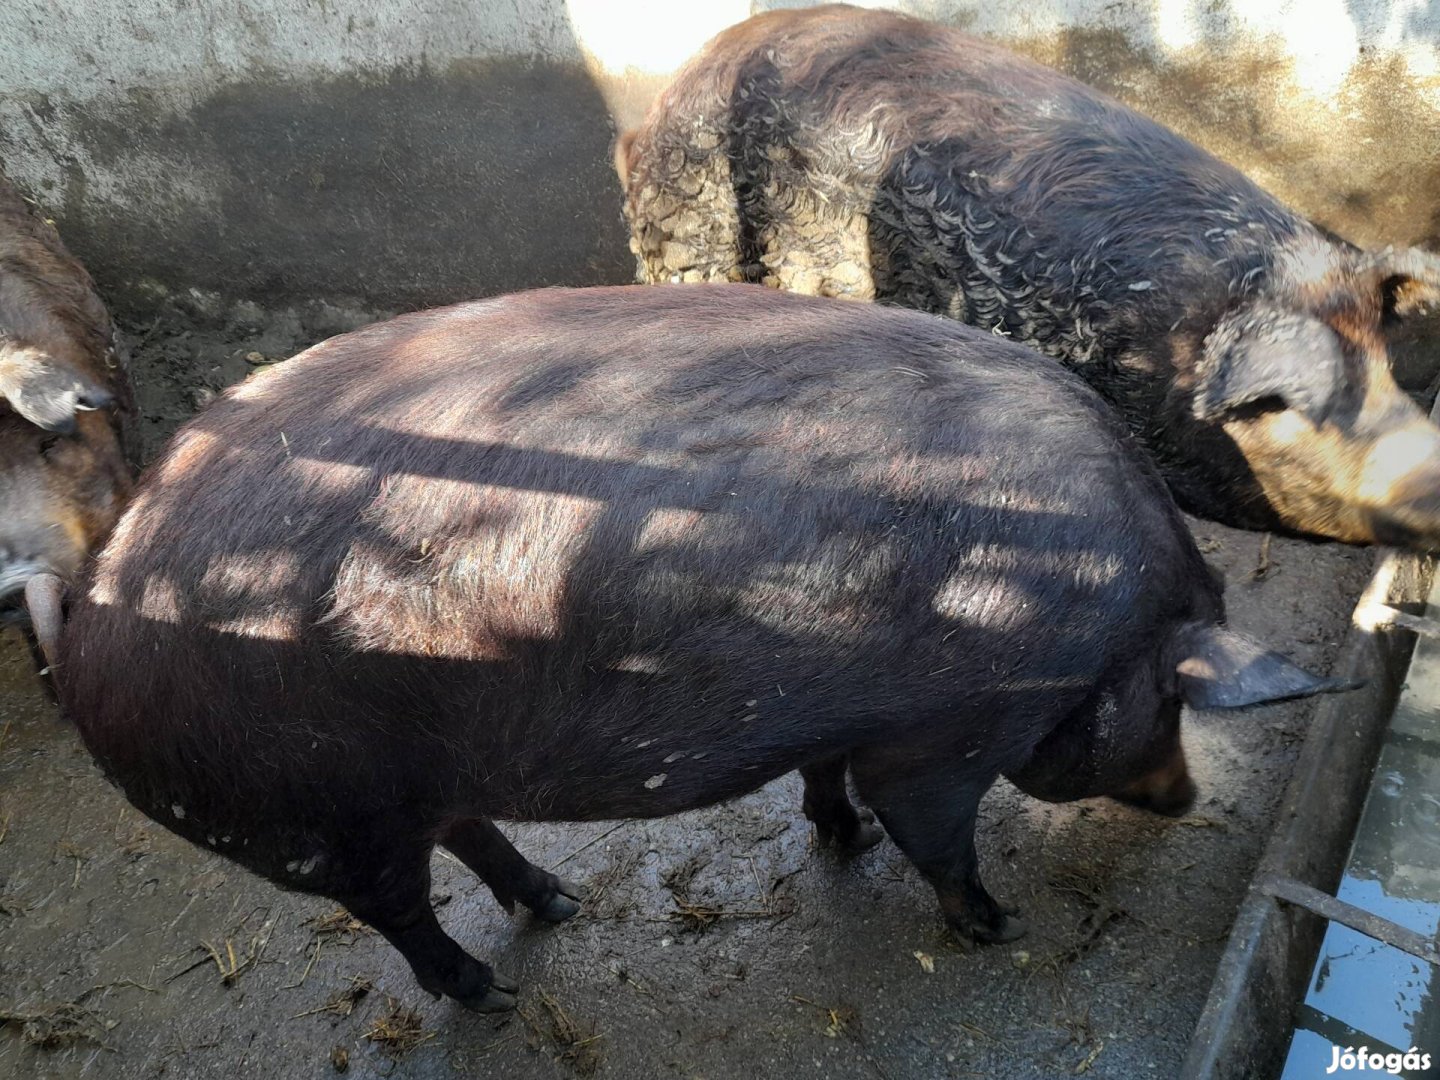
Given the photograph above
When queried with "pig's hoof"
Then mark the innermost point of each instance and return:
(1005, 928)
(562, 903)
(1009, 928)
(868, 833)
(499, 996)
(557, 909)
(492, 1001)
(865, 834)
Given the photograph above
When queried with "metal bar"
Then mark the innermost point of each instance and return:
(1426, 627)
(1290, 891)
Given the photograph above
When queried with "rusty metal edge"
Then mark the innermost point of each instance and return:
(1244, 1028)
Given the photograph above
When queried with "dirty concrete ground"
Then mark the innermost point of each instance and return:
(719, 943)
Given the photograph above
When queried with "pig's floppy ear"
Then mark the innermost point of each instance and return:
(48, 392)
(1409, 280)
(1263, 351)
(1220, 669)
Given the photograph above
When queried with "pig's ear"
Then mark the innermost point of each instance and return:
(48, 392)
(1409, 281)
(1263, 352)
(1220, 669)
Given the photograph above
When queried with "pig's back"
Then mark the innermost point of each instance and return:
(874, 155)
(552, 528)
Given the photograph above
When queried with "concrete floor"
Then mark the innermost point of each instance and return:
(116, 937)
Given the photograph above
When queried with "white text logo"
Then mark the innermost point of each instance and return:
(1352, 1060)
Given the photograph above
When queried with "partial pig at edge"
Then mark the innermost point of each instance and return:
(1301, 384)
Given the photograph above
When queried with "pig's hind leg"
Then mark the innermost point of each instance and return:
(928, 804)
(828, 806)
(394, 898)
(483, 848)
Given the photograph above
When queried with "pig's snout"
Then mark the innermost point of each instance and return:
(1168, 790)
(1377, 481)
(1401, 483)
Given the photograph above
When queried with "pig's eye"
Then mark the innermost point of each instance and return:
(1273, 403)
(1270, 403)
(48, 442)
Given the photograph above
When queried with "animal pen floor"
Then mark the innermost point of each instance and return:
(716, 944)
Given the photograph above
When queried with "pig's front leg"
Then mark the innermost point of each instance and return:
(928, 803)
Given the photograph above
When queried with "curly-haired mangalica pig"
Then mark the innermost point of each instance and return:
(63, 476)
(870, 155)
(584, 554)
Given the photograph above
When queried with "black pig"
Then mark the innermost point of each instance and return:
(574, 555)
(871, 155)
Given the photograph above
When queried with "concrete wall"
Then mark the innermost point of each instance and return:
(395, 153)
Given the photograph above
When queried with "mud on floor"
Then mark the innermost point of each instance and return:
(715, 944)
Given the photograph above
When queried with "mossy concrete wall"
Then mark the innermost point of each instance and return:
(395, 153)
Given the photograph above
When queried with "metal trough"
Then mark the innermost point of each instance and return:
(1247, 1024)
